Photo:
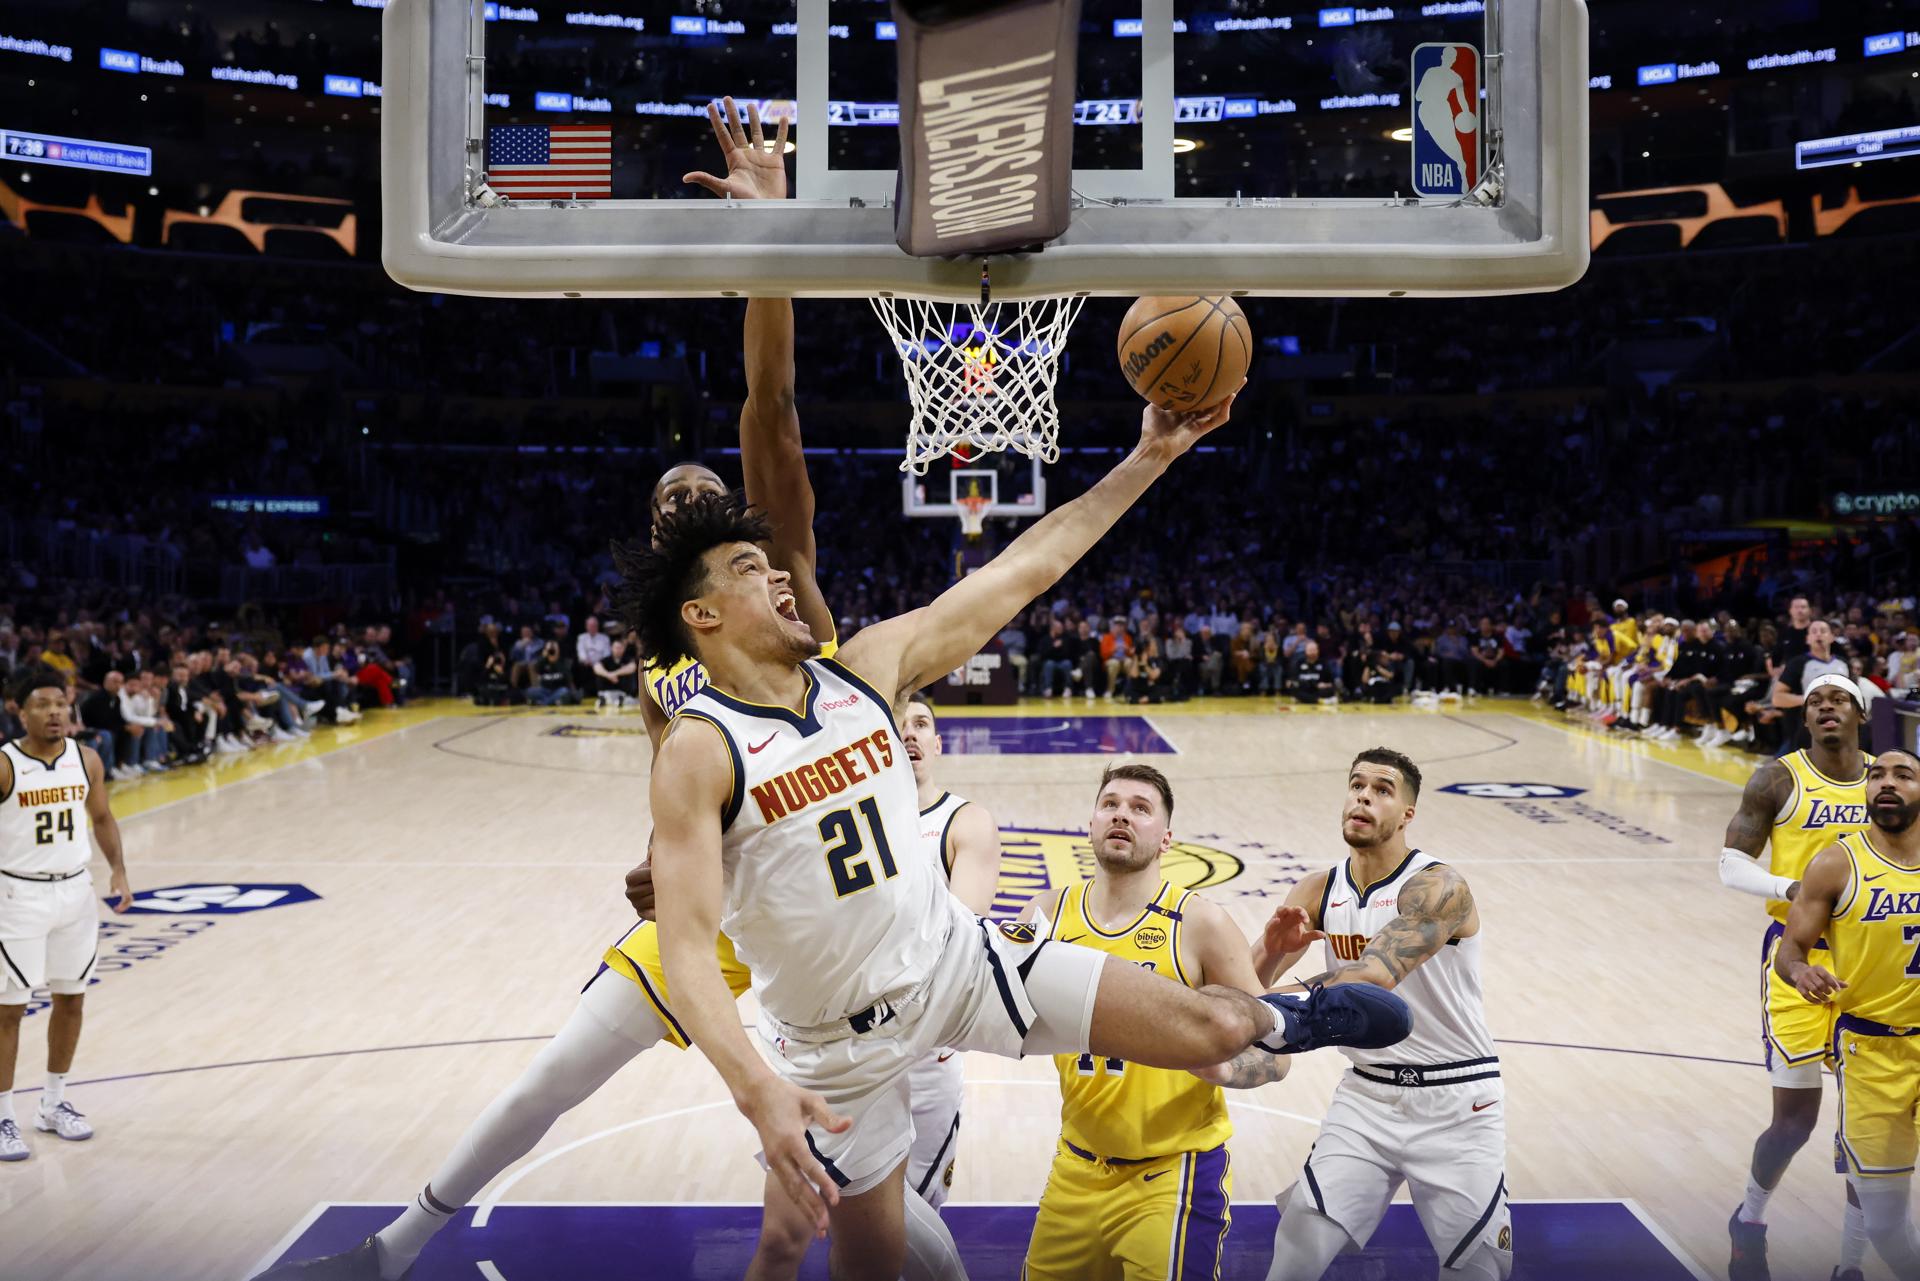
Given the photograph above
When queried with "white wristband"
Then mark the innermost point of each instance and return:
(1741, 871)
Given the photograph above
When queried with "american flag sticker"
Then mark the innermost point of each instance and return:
(550, 162)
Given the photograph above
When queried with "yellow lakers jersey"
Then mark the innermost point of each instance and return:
(671, 687)
(1818, 813)
(1110, 1108)
(1626, 637)
(1875, 937)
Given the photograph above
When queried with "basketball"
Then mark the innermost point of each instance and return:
(1185, 354)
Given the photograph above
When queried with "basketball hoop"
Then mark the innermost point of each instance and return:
(973, 515)
(980, 375)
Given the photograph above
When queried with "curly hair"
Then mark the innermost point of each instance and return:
(39, 676)
(657, 578)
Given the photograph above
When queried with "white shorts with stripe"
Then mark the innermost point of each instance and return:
(1003, 989)
(935, 1082)
(49, 936)
(1447, 1142)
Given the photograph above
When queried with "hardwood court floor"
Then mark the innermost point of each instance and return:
(243, 1067)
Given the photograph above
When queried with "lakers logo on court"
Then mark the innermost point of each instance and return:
(1041, 860)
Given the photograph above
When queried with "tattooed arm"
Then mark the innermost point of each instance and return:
(1747, 834)
(1253, 1068)
(1435, 906)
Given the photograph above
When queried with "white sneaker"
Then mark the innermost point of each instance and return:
(65, 1122)
(12, 1146)
(280, 735)
(227, 745)
(345, 715)
(154, 767)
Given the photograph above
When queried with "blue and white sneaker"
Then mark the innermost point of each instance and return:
(1356, 1014)
(12, 1146)
(64, 1121)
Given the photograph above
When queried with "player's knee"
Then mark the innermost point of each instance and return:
(863, 1263)
(784, 1241)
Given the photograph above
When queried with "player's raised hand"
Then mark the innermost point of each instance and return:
(1289, 930)
(1181, 431)
(640, 889)
(781, 1112)
(753, 171)
(1817, 985)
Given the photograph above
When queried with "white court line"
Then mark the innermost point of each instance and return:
(1659, 1234)
(1164, 736)
(485, 1211)
(388, 862)
(493, 1198)
(286, 1242)
(488, 1271)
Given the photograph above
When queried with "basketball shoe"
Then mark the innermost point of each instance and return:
(1356, 1014)
(362, 1263)
(64, 1120)
(12, 1146)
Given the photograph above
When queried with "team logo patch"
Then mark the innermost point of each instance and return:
(1512, 791)
(1018, 931)
(598, 731)
(1150, 937)
(1505, 1241)
(218, 900)
(1408, 1076)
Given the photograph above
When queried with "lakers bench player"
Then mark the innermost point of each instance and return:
(1793, 808)
(1141, 1180)
(1852, 944)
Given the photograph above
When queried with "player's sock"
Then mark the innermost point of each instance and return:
(401, 1241)
(55, 1092)
(1754, 1208)
(931, 1253)
(6, 1107)
(1853, 1239)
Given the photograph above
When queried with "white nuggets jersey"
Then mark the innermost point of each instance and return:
(43, 821)
(830, 898)
(935, 822)
(1449, 1017)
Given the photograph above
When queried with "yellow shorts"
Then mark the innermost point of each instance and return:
(1159, 1220)
(1879, 1074)
(1796, 1030)
(637, 958)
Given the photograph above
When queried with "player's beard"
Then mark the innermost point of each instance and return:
(1372, 835)
(1124, 856)
(1897, 821)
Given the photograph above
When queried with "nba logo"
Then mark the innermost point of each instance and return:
(1447, 151)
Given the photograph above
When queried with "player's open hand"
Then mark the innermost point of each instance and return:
(1180, 432)
(1289, 930)
(122, 889)
(781, 1112)
(1817, 985)
(753, 171)
(640, 889)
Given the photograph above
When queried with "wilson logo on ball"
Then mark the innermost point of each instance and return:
(1138, 361)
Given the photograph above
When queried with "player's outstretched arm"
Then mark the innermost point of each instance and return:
(1220, 956)
(1435, 906)
(906, 653)
(973, 853)
(775, 469)
(1827, 880)
(692, 780)
(1749, 831)
(1290, 931)
(106, 829)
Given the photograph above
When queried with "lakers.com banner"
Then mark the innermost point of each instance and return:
(986, 124)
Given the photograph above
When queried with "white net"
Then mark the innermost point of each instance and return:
(980, 374)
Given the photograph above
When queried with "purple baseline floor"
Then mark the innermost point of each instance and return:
(1554, 1241)
(1050, 735)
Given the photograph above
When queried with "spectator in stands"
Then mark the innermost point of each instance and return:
(523, 656)
(1450, 651)
(1270, 675)
(1086, 659)
(1241, 659)
(105, 729)
(256, 553)
(1013, 644)
(1357, 665)
(1116, 652)
(1057, 655)
(618, 674)
(57, 655)
(1903, 666)
(269, 711)
(1399, 658)
(1794, 640)
(1383, 678)
(1210, 654)
(189, 730)
(146, 723)
(1749, 673)
(1178, 655)
(553, 678)
(1146, 685)
(1312, 679)
(1487, 671)
(1296, 639)
(590, 648)
(1818, 659)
